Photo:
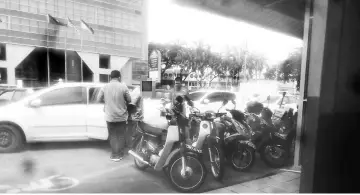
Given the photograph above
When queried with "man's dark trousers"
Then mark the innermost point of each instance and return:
(117, 132)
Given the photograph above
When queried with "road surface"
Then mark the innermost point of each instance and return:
(89, 164)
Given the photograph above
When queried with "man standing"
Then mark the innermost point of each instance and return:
(116, 97)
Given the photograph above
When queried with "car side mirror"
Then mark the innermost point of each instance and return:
(35, 103)
(206, 101)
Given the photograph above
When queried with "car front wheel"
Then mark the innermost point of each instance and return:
(11, 140)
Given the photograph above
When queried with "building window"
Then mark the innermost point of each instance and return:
(104, 61)
(104, 78)
(2, 51)
(3, 75)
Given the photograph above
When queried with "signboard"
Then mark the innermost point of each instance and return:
(155, 65)
(154, 61)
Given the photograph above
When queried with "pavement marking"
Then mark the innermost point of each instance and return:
(99, 173)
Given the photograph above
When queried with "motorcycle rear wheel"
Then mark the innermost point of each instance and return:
(178, 181)
(243, 151)
(271, 156)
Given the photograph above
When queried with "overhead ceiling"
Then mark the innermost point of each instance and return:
(285, 16)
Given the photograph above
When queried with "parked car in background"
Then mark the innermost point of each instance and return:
(63, 112)
(211, 100)
(14, 94)
(278, 103)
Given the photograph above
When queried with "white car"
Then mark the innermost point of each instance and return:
(64, 112)
(211, 100)
(279, 105)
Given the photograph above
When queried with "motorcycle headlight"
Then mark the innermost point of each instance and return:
(210, 116)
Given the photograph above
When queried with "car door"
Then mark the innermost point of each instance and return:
(60, 115)
(95, 116)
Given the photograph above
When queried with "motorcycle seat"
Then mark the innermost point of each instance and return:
(151, 129)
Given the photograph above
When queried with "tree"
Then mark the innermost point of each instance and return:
(290, 69)
(270, 73)
(255, 64)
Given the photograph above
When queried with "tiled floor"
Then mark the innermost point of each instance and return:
(285, 182)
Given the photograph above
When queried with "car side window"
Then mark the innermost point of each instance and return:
(18, 95)
(63, 96)
(93, 94)
(7, 95)
(221, 96)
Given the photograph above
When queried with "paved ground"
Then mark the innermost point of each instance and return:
(88, 162)
(285, 182)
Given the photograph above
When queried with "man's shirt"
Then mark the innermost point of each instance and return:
(116, 97)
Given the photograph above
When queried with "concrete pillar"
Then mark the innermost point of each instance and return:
(333, 104)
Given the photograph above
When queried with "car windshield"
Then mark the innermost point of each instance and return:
(7, 96)
(195, 96)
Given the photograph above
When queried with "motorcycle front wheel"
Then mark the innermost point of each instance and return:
(243, 158)
(193, 177)
(275, 156)
(218, 164)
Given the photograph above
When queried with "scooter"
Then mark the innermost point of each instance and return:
(164, 148)
(239, 149)
(209, 136)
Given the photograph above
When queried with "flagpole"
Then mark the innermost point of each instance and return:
(81, 63)
(65, 56)
(47, 53)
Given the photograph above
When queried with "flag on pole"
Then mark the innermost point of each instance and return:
(53, 20)
(71, 24)
(86, 26)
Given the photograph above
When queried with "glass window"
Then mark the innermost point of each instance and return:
(25, 25)
(33, 5)
(104, 61)
(14, 4)
(42, 7)
(7, 95)
(69, 95)
(3, 75)
(93, 94)
(3, 24)
(24, 6)
(196, 96)
(101, 37)
(109, 37)
(104, 78)
(221, 96)
(2, 4)
(2, 52)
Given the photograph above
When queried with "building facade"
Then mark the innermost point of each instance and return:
(40, 53)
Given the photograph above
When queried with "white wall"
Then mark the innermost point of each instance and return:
(15, 54)
(116, 63)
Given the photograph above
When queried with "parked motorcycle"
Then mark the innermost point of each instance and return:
(270, 143)
(209, 136)
(240, 150)
(166, 149)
